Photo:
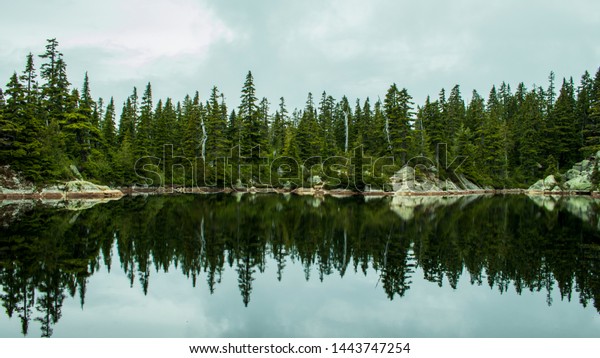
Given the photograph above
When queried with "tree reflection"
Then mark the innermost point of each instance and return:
(502, 241)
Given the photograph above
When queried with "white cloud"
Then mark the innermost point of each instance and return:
(148, 30)
(129, 34)
(346, 47)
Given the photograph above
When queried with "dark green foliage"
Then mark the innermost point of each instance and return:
(308, 136)
(592, 128)
(398, 109)
(562, 128)
(252, 132)
(508, 140)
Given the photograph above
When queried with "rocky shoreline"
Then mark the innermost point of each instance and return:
(406, 182)
(80, 190)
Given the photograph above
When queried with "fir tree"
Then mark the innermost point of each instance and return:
(216, 127)
(592, 131)
(108, 128)
(307, 136)
(562, 127)
(280, 120)
(252, 132)
(143, 138)
(398, 109)
(326, 123)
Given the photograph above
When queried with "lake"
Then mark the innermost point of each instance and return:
(299, 266)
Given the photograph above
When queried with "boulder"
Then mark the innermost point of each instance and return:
(287, 185)
(405, 174)
(550, 182)
(586, 165)
(75, 172)
(579, 183)
(572, 173)
(79, 186)
(315, 180)
(539, 185)
(450, 186)
(547, 184)
(467, 184)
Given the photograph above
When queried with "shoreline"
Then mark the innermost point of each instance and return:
(317, 192)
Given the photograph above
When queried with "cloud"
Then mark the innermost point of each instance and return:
(150, 30)
(131, 36)
(346, 47)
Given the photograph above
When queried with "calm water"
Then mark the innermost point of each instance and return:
(287, 266)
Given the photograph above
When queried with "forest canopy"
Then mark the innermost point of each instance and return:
(510, 139)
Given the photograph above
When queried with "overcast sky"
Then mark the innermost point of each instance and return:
(356, 48)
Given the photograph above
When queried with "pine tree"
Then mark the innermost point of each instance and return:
(29, 79)
(11, 123)
(583, 107)
(79, 132)
(531, 126)
(143, 138)
(216, 127)
(55, 91)
(592, 131)
(290, 144)
(98, 113)
(454, 113)
(496, 142)
(86, 103)
(550, 93)
(234, 129)
(193, 126)
(343, 118)
(562, 127)
(165, 122)
(265, 122)
(252, 132)
(278, 128)
(431, 117)
(474, 121)
(307, 136)
(178, 129)
(463, 147)
(398, 109)
(326, 123)
(108, 128)
(126, 123)
(378, 145)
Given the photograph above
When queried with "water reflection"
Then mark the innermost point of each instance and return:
(535, 244)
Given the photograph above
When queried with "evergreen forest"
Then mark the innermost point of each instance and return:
(510, 136)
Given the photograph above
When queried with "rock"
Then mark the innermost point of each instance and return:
(315, 180)
(79, 186)
(550, 182)
(467, 184)
(238, 184)
(572, 173)
(450, 186)
(75, 172)
(579, 183)
(405, 174)
(79, 189)
(539, 185)
(585, 165)
(578, 166)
